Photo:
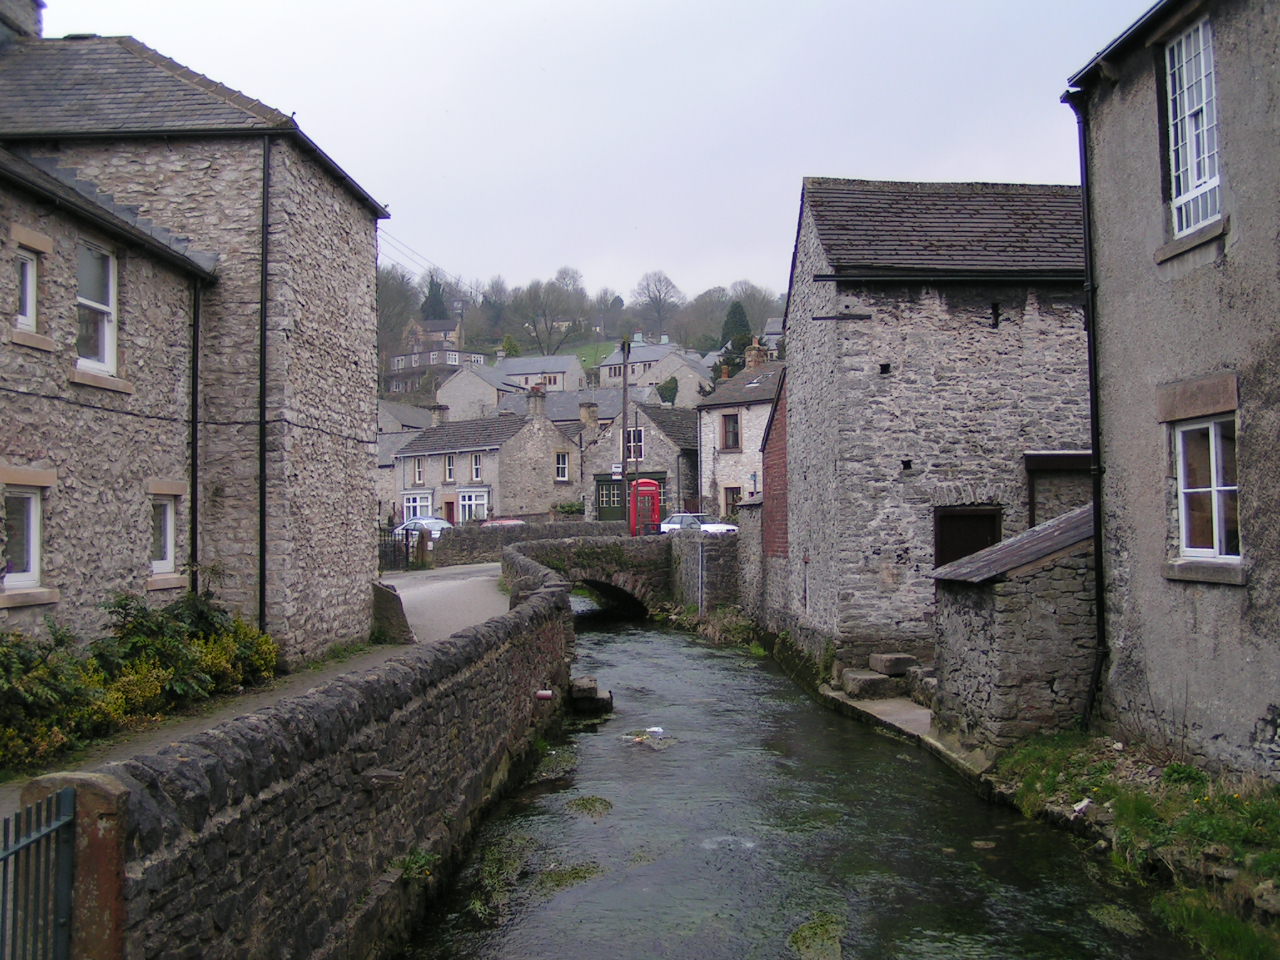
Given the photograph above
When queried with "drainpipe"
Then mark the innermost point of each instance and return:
(262, 384)
(1077, 100)
(194, 498)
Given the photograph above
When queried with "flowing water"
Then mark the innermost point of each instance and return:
(757, 824)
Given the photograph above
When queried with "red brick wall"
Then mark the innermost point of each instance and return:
(774, 520)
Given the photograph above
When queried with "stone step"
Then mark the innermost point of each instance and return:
(892, 664)
(870, 685)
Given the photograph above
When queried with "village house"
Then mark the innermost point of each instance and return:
(505, 465)
(560, 372)
(398, 423)
(409, 372)
(1178, 134)
(731, 426)
(661, 445)
(240, 407)
(934, 336)
(649, 364)
(475, 390)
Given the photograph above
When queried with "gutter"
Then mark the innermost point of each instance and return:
(263, 270)
(1076, 100)
(1001, 276)
(193, 553)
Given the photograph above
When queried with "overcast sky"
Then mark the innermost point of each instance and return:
(514, 137)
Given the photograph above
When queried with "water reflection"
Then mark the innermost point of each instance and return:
(760, 825)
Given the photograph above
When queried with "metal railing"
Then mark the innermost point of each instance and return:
(37, 868)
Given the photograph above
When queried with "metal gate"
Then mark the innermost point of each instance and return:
(37, 867)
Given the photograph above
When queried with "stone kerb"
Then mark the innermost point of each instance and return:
(274, 834)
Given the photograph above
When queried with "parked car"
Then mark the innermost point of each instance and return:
(695, 521)
(417, 525)
(503, 522)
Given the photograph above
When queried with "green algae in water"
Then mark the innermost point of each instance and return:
(594, 807)
(1118, 919)
(819, 939)
(500, 868)
(555, 764)
(555, 879)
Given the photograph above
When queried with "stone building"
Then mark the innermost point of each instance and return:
(1179, 128)
(279, 473)
(934, 336)
(475, 391)
(505, 465)
(649, 364)
(560, 372)
(662, 445)
(731, 426)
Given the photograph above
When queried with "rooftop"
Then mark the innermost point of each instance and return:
(1035, 544)
(751, 385)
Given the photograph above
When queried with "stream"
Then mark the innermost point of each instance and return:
(756, 824)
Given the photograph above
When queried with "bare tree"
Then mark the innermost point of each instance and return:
(552, 311)
(399, 300)
(760, 303)
(657, 299)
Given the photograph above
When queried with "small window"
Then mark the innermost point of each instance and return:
(417, 506)
(475, 467)
(1208, 494)
(451, 359)
(28, 275)
(633, 444)
(731, 497)
(730, 437)
(448, 468)
(960, 531)
(1193, 129)
(473, 504)
(562, 466)
(163, 516)
(96, 308)
(419, 465)
(22, 533)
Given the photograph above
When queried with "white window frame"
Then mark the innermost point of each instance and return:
(165, 562)
(397, 363)
(632, 445)
(34, 533)
(473, 504)
(448, 468)
(477, 467)
(1194, 186)
(28, 267)
(451, 358)
(562, 466)
(416, 505)
(1218, 491)
(419, 466)
(105, 311)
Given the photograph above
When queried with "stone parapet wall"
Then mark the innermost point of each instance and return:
(275, 834)
(704, 569)
(1016, 658)
(637, 567)
(475, 543)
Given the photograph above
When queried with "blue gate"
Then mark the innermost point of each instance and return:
(37, 867)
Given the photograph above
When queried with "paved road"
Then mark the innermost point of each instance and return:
(437, 603)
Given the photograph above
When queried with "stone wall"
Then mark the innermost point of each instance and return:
(1016, 657)
(528, 470)
(638, 567)
(95, 448)
(275, 834)
(902, 400)
(704, 569)
(740, 467)
(475, 543)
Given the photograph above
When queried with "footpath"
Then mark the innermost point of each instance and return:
(437, 603)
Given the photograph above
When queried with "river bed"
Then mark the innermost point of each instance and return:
(721, 814)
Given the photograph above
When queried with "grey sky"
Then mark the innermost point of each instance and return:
(514, 137)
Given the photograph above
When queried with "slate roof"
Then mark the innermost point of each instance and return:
(680, 424)
(495, 378)
(520, 366)
(1039, 542)
(643, 353)
(116, 86)
(49, 181)
(562, 405)
(758, 385)
(884, 229)
(389, 445)
(393, 416)
(484, 433)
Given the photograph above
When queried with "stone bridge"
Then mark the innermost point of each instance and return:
(688, 569)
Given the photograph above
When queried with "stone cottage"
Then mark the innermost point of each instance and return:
(475, 390)
(505, 465)
(1178, 131)
(731, 424)
(560, 372)
(279, 467)
(661, 445)
(934, 336)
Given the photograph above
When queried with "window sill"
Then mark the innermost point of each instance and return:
(29, 338)
(102, 381)
(563, 482)
(1193, 239)
(29, 596)
(730, 450)
(168, 581)
(1207, 571)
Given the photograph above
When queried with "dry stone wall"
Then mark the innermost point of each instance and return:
(475, 543)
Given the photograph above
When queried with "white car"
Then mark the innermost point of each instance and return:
(695, 521)
(417, 525)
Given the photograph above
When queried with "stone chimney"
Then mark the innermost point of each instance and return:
(20, 18)
(755, 354)
(589, 413)
(724, 372)
(439, 414)
(537, 402)
(500, 354)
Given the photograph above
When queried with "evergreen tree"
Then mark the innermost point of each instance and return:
(433, 307)
(736, 335)
(510, 347)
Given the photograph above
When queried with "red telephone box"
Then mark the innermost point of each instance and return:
(646, 507)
